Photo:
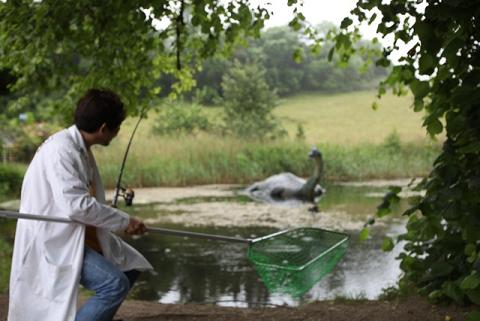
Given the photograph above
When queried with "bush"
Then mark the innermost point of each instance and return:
(181, 118)
(392, 143)
(207, 96)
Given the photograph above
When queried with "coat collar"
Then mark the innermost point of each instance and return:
(77, 139)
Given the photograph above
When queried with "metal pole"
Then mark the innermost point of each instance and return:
(198, 235)
(16, 215)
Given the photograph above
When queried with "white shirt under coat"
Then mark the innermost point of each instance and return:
(47, 257)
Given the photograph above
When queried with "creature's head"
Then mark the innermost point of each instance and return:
(315, 153)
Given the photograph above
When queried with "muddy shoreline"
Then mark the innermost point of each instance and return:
(412, 309)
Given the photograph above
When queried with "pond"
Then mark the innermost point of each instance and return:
(191, 270)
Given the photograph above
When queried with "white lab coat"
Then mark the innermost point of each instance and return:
(47, 257)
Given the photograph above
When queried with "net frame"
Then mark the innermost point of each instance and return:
(283, 273)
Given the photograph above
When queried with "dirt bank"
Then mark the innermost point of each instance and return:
(413, 309)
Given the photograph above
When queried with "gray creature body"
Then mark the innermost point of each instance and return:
(289, 187)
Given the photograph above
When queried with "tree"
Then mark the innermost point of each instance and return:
(58, 49)
(249, 102)
(442, 70)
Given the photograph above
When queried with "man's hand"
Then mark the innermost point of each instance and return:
(135, 226)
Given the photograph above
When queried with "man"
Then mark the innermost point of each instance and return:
(51, 259)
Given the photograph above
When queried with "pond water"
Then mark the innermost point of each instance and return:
(204, 271)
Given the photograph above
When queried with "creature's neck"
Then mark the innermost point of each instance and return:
(318, 171)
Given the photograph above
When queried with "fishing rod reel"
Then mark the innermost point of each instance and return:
(128, 195)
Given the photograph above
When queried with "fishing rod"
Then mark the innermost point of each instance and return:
(127, 193)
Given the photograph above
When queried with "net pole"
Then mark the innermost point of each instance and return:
(198, 235)
(17, 215)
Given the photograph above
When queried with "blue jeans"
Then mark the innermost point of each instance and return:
(110, 285)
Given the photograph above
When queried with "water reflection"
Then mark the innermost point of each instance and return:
(201, 271)
(364, 270)
(192, 270)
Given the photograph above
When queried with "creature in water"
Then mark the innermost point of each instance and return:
(287, 187)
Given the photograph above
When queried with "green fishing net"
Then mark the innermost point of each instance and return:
(293, 261)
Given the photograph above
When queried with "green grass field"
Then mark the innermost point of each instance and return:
(348, 119)
(351, 135)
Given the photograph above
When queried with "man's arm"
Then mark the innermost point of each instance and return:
(72, 197)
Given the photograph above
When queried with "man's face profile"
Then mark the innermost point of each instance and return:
(107, 134)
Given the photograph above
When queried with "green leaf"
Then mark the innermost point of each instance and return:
(426, 33)
(452, 48)
(470, 148)
(426, 64)
(330, 53)
(470, 249)
(295, 24)
(383, 62)
(374, 105)
(364, 234)
(438, 269)
(345, 23)
(367, 5)
(387, 244)
(474, 295)
(298, 55)
(434, 126)
(383, 211)
(470, 282)
(418, 105)
(435, 295)
(419, 88)
(453, 291)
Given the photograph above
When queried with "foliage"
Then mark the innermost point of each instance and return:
(56, 50)
(11, 177)
(20, 138)
(276, 51)
(181, 118)
(5, 263)
(442, 70)
(249, 103)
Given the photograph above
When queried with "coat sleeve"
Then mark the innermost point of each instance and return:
(71, 194)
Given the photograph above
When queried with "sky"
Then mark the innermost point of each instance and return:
(315, 12)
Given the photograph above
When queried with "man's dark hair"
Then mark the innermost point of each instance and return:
(99, 106)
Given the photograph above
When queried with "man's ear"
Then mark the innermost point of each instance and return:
(102, 128)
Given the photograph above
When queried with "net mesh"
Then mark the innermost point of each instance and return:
(293, 261)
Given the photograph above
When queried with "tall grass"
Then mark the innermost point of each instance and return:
(208, 159)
